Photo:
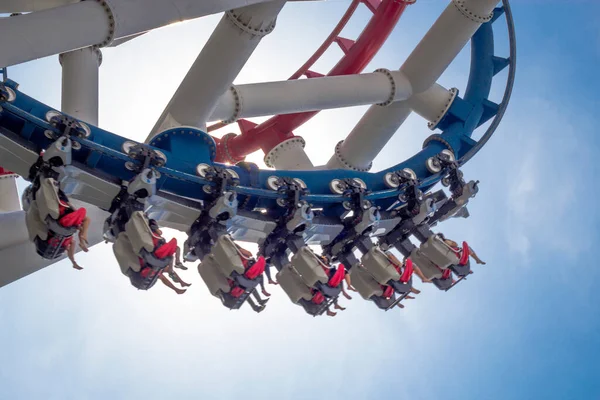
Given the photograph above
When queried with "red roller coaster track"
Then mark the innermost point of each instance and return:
(357, 54)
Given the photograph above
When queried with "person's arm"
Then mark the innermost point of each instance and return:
(451, 243)
(244, 252)
(393, 259)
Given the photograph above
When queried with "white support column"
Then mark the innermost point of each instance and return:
(80, 81)
(442, 43)
(289, 155)
(287, 97)
(89, 23)
(444, 40)
(369, 137)
(218, 64)
(433, 103)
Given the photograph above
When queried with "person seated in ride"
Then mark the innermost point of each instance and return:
(163, 249)
(399, 265)
(260, 264)
(336, 277)
(455, 247)
(253, 271)
(402, 269)
(69, 216)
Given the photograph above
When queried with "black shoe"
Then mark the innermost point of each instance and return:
(181, 266)
(263, 302)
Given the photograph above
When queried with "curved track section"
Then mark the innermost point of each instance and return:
(99, 166)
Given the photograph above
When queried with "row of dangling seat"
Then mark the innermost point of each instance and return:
(229, 273)
(142, 254)
(232, 276)
(50, 220)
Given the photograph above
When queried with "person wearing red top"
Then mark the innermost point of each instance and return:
(168, 248)
(70, 216)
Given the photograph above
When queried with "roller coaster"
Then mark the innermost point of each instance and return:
(184, 178)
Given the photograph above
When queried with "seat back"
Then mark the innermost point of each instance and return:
(429, 269)
(227, 256)
(213, 277)
(35, 225)
(364, 283)
(139, 233)
(425, 209)
(376, 262)
(292, 284)
(127, 258)
(309, 267)
(47, 199)
(438, 252)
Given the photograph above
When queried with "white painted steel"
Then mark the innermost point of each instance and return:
(62, 29)
(289, 155)
(430, 103)
(9, 195)
(220, 61)
(442, 43)
(286, 97)
(14, 6)
(444, 40)
(17, 253)
(39, 34)
(369, 136)
(80, 79)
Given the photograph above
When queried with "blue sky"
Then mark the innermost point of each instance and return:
(525, 326)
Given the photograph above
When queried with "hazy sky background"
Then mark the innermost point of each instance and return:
(524, 326)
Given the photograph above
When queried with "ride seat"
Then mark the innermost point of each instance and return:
(139, 233)
(212, 275)
(47, 199)
(429, 269)
(445, 281)
(364, 283)
(308, 265)
(126, 256)
(36, 227)
(379, 266)
(463, 267)
(438, 252)
(293, 285)
(227, 256)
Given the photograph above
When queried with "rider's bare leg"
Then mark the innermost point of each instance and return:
(71, 255)
(170, 285)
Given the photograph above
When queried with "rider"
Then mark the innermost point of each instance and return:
(72, 216)
(160, 241)
(456, 248)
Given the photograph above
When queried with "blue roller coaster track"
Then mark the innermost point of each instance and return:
(25, 121)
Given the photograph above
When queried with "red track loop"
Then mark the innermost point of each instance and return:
(357, 55)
